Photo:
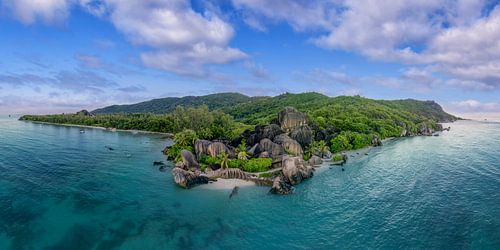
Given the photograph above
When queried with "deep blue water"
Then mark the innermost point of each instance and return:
(60, 189)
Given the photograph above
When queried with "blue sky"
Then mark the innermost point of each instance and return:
(65, 55)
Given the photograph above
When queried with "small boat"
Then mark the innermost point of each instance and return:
(82, 131)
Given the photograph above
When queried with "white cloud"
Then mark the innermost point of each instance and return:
(301, 15)
(180, 39)
(29, 11)
(473, 106)
(458, 39)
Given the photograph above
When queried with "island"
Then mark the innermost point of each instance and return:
(272, 141)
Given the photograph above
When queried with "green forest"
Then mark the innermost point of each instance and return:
(353, 120)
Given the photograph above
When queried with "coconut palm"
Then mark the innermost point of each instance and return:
(223, 159)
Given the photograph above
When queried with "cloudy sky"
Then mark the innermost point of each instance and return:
(65, 55)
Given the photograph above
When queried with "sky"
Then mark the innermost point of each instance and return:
(67, 55)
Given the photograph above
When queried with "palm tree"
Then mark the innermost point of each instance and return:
(243, 155)
(223, 159)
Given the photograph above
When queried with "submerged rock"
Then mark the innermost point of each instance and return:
(158, 163)
(188, 179)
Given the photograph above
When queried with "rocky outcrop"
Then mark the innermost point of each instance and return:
(188, 160)
(302, 134)
(280, 186)
(216, 148)
(260, 132)
(229, 173)
(188, 179)
(295, 170)
(290, 145)
(376, 142)
(272, 148)
(201, 147)
(84, 113)
(290, 119)
(315, 160)
(423, 129)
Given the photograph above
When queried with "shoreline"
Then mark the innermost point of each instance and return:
(133, 131)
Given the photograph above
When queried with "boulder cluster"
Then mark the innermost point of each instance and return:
(283, 141)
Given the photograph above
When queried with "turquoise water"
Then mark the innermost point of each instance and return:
(60, 189)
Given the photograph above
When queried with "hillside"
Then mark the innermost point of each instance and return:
(228, 115)
(168, 104)
(261, 110)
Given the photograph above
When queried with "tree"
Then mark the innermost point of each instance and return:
(223, 159)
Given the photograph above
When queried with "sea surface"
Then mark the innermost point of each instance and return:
(62, 189)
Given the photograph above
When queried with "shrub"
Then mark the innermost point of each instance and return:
(257, 165)
(340, 143)
(236, 163)
(209, 160)
(337, 157)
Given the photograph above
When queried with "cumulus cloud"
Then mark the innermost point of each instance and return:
(179, 39)
(29, 11)
(474, 106)
(458, 38)
(182, 41)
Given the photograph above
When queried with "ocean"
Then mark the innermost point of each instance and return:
(62, 189)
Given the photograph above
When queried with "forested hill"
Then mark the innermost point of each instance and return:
(261, 110)
(168, 104)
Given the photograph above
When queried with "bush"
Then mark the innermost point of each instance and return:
(237, 163)
(337, 157)
(340, 143)
(257, 165)
(209, 160)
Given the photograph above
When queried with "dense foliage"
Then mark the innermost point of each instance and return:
(169, 104)
(206, 124)
(352, 121)
(251, 165)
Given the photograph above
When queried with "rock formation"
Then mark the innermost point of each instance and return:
(188, 179)
(295, 170)
(188, 160)
(289, 119)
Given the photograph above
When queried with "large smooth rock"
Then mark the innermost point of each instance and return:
(290, 145)
(376, 142)
(272, 148)
(261, 132)
(280, 186)
(315, 160)
(216, 148)
(229, 173)
(188, 160)
(201, 147)
(188, 179)
(289, 119)
(295, 170)
(302, 134)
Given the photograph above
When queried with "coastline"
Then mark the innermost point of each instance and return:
(133, 131)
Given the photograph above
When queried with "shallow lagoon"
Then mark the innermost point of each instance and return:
(61, 189)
